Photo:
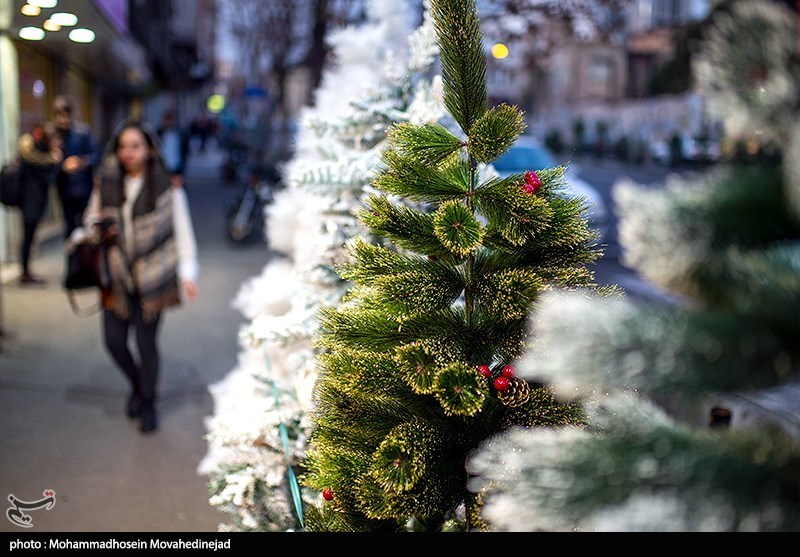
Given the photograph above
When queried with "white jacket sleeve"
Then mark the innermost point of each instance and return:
(188, 266)
(87, 231)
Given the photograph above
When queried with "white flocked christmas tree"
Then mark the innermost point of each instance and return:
(382, 72)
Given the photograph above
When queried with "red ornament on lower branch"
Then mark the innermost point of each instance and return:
(501, 383)
(327, 494)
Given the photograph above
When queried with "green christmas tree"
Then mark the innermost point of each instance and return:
(692, 407)
(414, 364)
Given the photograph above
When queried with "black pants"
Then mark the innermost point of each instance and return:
(73, 208)
(34, 205)
(144, 376)
(28, 234)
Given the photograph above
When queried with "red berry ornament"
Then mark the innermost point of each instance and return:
(532, 178)
(485, 371)
(508, 372)
(501, 383)
(327, 494)
(532, 182)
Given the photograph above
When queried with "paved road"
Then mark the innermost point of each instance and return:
(63, 426)
(603, 174)
(778, 405)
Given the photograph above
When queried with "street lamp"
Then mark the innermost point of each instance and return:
(64, 19)
(30, 10)
(53, 24)
(31, 33)
(81, 35)
(499, 51)
(50, 25)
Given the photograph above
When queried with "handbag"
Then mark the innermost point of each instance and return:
(86, 269)
(11, 183)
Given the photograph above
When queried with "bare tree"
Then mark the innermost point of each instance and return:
(552, 21)
(273, 37)
(265, 36)
(327, 15)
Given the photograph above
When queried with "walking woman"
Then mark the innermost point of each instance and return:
(152, 256)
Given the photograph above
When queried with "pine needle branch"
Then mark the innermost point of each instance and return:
(463, 65)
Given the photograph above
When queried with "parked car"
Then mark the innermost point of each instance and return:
(685, 149)
(530, 154)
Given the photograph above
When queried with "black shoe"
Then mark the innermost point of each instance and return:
(149, 420)
(134, 406)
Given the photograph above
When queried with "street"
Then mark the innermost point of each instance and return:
(63, 426)
(603, 174)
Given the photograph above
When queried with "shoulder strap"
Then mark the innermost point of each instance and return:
(81, 311)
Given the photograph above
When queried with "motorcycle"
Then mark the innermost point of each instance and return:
(246, 209)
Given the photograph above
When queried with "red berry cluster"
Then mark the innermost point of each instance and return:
(501, 381)
(532, 182)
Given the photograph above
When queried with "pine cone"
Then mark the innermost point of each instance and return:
(516, 394)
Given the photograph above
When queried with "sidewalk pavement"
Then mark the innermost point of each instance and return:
(63, 426)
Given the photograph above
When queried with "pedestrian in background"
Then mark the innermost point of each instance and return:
(40, 154)
(144, 218)
(174, 146)
(74, 179)
(202, 128)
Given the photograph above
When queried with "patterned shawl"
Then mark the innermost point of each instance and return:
(149, 267)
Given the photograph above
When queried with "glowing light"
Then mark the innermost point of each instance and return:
(50, 25)
(38, 89)
(64, 19)
(43, 3)
(216, 103)
(81, 35)
(499, 51)
(29, 10)
(31, 33)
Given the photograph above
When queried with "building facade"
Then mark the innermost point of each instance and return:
(602, 86)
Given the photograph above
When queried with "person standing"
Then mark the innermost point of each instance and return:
(40, 153)
(174, 146)
(75, 176)
(144, 220)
